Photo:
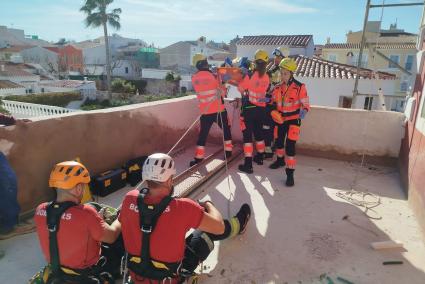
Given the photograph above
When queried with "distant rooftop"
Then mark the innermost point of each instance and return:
(16, 48)
(64, 83)
(378, 45)
(317, 67)
(287, 40)
(6, 84)
(9, 69)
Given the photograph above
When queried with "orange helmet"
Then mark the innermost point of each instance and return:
(67, 175)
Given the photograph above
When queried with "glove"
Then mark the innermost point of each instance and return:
(244, 71)
(226, 77)
(303, 113)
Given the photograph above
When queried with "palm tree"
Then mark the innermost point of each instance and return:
(97, 15)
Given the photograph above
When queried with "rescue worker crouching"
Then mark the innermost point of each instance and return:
(154, 225)
(71, 233)
(292, 104)
(210, 93)
(253, 88)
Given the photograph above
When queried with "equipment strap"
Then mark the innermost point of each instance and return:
(54, 213)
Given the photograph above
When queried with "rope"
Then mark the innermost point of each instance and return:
(184, 135)
(350, 195)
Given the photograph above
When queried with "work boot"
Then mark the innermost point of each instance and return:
(243, 217)
(195, 161)
(290, 177)
(228, 154)
(268, 156)
(279, 163)
(258, 158)
(246, 167)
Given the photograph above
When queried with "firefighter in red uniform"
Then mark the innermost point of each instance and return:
(71, 233)
(154, 225)
(253, 88)
(292, 104)
(210, 92)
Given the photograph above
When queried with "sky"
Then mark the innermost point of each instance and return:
(164, 22)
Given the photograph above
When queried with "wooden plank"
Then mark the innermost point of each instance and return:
(386, 245)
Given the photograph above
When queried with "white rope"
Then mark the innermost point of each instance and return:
(184, 135)
(349, 195)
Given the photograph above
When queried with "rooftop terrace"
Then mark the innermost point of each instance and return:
(295, 234)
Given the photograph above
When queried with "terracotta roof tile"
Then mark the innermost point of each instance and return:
(13, 69)
(64, 83)
(277, 40)
(6, 84)
(319, 68)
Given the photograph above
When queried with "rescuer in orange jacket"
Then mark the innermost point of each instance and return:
(273, 71)
(210, 92)
(253, 88)
(292, 105)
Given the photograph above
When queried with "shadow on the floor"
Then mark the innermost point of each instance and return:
(297, 234)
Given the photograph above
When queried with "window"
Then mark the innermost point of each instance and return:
(126, 70)
(403, 86)
(394, 58)
(332, 57)
(409, 62)
(368, 101)
(345, 102)
(363, 63)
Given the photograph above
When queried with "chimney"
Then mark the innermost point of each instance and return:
(328, 40)
(2, 68)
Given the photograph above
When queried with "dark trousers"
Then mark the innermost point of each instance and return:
(282, 137)
(268, 128)
(207, 121)
(252, 120)
(9, 207)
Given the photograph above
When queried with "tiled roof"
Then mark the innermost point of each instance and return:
(219, 56)
(6, 84)
(277, 40)
(319, 68)
(16, 48)
(14, 70)
(63, 83)
(378, 46)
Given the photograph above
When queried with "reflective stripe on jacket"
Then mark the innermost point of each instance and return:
(256, 88)
(291, 98)
(208, 91)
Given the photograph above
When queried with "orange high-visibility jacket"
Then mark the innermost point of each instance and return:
(257, 87)
(291, 98)
(209, 92)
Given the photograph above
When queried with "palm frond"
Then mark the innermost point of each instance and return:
(116, 11)
(94, 20)
(113, 22)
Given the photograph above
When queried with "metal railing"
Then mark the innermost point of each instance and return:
(28, 110)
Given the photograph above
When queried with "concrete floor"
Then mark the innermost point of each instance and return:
(295, 234)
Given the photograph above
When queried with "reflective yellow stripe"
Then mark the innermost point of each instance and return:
(234, 227)
(69, 271)
(157, 264)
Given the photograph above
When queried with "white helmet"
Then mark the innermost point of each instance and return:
(158, 167)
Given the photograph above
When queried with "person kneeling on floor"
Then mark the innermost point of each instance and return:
(71, 233)
(154, 225)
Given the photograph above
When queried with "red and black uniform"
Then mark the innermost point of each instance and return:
(79, 237)
(210, 93)
(253, 89)
(290, 99)
(167, 241)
